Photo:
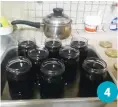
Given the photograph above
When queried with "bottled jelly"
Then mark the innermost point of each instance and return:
(24, 46)
(52, 84)
(94, 73)
(53, 46)
(70, 57)
(37, 56)
(82, 45)
(19, 78)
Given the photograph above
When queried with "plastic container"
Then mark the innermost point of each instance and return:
(5, 27)
(6, 30)
(91, 23)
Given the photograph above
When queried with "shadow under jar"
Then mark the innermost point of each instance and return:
(70, 57)
(94, 73)
(80, 44)
(37, 56)
(53, 46)
(20, 83)
(52, 84)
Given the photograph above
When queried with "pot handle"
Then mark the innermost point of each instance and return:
(33, 24)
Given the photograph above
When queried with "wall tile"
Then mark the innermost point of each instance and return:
(95, 2)
(87, 7)
(38, 6)
(80, 20)
(32, 14)
(74, 2)
(108, 8)
(102, 7)
(31, 5)
(36, 11)
(109, 2)
(39, 14)
(46, 7)
(81, 2)
(88, 2)
(94, 13)
(94, 7)
(80, 15)
(67, 13)
(103, 2)
(60, 5)
(66, 6)
(73, 7)
(81, 7)
(73, 13)
(86, 14)
(45, 13)
(66, 2)
(52, 6)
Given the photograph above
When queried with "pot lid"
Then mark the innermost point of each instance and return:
(57, 17)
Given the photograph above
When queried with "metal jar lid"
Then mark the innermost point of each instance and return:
(57, 18)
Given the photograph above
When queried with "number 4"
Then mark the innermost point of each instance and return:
(107, 92)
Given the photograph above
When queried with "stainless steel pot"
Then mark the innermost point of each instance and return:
(55, 24)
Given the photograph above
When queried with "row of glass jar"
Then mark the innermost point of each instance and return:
(49, 67)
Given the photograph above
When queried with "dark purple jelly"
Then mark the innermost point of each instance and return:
(53, 47)
(19, 78)
(37, 56)
(52, 84)
(94, 73)
(82, 46)
(24, 46)
(70, 57)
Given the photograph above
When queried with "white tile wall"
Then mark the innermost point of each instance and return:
(76, 10)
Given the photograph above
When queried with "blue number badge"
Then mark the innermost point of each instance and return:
(107, 92)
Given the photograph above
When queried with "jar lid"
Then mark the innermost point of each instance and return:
(52, 67)
(18, 66)
(38, 53)
(69, 52)
(94, 65)
(57, 17)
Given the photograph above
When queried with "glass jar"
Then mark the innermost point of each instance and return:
(25, 42)
(37, 56)
(94, 72)
(20, 83)
(52, 84)
(70, 57)
(81, 44)
(95, 69)
(53, 45)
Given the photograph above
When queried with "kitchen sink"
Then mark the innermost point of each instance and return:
(73, 97)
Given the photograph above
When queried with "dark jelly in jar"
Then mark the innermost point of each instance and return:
(19, 78)
(24, 46)
(52, 84)
(70, 57)
(82, 45)
(37, 56)
(53, 46)
(94, 73)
